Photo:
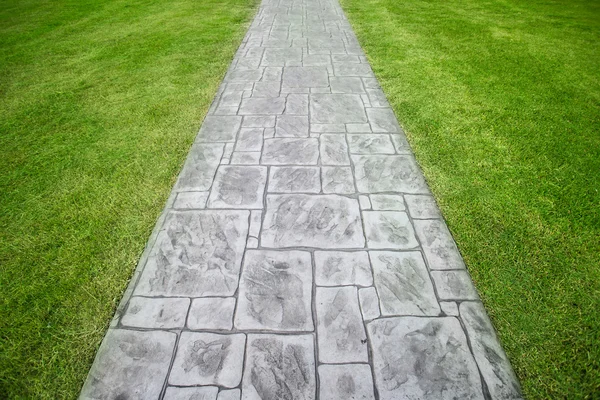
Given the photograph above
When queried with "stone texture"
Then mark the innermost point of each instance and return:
(337, 268)
(231, 394)
(279, 367)
(245, 158)
(295, 180)
(249, 139)
(403, 284)
(208, 359)
(422, 358)
(130, 365)
(191, 393)
(334, 150)
(389, 230)
(198, 253)
(199, 169)
(383, 120)
(238, 187)
(321, 221)
(337, 180)
(341, 334)
(449, 308)
(439, 247)
(219, 128)
(190, 200)
(454, 285)
(336, 109)
(369, 303)
(401, 144)
(163, 313)
(346, 382)
(370, 144)
(309, 77)
(282, 151)
(346, 85)
(387, 202)
(380, 173)
(291, 126)
(275, 291)
(422, 207)
(262, 106)
(211, 313)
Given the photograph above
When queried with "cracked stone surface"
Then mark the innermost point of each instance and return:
(300, 239)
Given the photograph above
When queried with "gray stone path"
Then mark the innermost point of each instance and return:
(301, 255)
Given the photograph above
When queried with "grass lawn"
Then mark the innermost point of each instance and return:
(500, 100)
(100, 102)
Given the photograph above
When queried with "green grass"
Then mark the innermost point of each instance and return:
(100, 101)
(500, 100)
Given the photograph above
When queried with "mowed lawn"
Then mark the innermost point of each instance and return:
(501, 102)
(99, 103)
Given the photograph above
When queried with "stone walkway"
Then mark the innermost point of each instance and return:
(301, 254)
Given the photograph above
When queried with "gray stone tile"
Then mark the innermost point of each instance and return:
(219, 128)
(365, 202)
(282, 151)
(305, 77)
(198, 253)
(199, 168)
(278, 57)
(449, 308)
(387, 202)
(296, 104)
(272, 74)
(346, 85)
(318, 60)
(252, 243)
(383, 120)
(493, 363)
(245, 158)
(369, 303)
(389, 230)
(454, 285)
(360, 128)
(231, 99)
(341, 334)
(337, 268)
(255, 222)
(211, 313)
(327, 128)
(262, 106)
(187, 200)
(370, 144)
(321, 221)
(275, 291)
(351, 69)
(249, 139)
(279, 367)
(191, 393)
(401, 144)
(267, 89)
(338, 180)
(377, 98)
(422, 358)
(334, 150)
(291, 126)
(295, 180)
(438, 245)
(422, 207)
(238, 187)
(244, 75)
(346, 382)
(162, 313)
(403, 284)
(231, 394)
(378, 173)
(208, 359)
(130, 365)
(263, 121)
(336, 109)
(345, 58)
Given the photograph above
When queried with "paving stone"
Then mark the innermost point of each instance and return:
(163, 313)
(291, 126)
(191, 393)
(403, 284)
(353, 128)
(262, 106)
(383, 120)
(401, 144)
(266, 89)
(296, 104)
(238, 187)
(187, 200)
(309, 77)
(200, 167)
(346, 85)
(275, 291)
(275, 57)
(198, 253)
(211, 313)
(244, 75)
(252, 243)
(341, 334)
(282, 151)
(318, 60)
(249, 139)
(279, 367)
(338, 180)
(321, 221)
(264, 121)
(454, 285)
(370, 83)
(333, 150)
(349, 69)
(345, 58)
(269, 133)
(493, 363)
(449, 308)
(336, 109)
(377, 98)
(387, 202)
(337, 268)
(245, 158)
(231, 394)
(389, 230)
(369, 303)
(231, 99)
(439, 247)
(422, 358)
(130, 365)
(365, 203)
(422, 207)
(347, 382)
(295, 180)
(208, 359)
(327, 128)
(272, 74)
(379, 173)
(370, 144)
(255, 222)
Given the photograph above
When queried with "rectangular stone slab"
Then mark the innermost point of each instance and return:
(321, 221)
(388, 173)
(199, 169)
(197, 254)
(238, 187)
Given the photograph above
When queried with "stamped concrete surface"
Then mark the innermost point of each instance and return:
(301, 254)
